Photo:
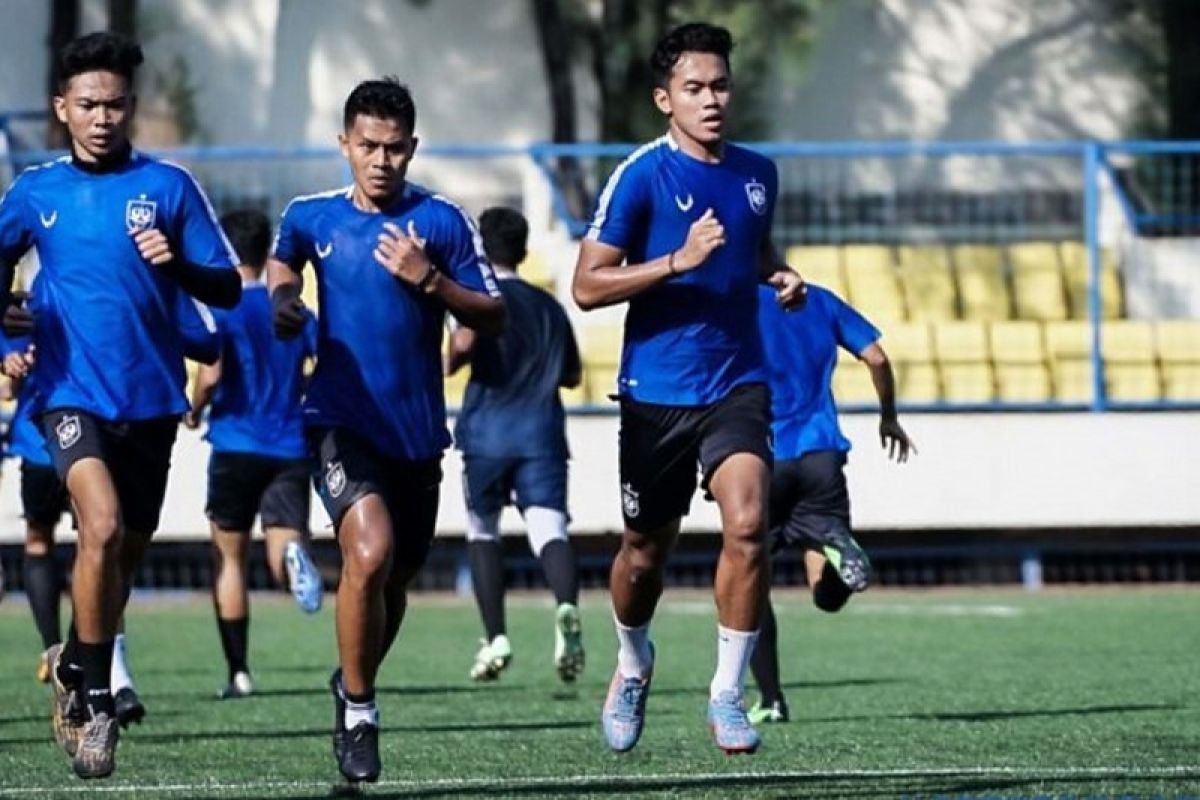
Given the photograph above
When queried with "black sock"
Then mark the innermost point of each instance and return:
(487, 578)
(235, 634)
(558, 564)
(366, 698)
(70, 667)
(44, 590)
(764, 661)
(97, 669)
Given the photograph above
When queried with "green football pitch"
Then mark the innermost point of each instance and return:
(1080, 693)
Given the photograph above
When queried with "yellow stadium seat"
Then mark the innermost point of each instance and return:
(600, 347)
(927, 282)
(535, 270)
(819, 264)
(867, 259)
(1130, 361)
(576, 396)
(1037, 281)
(966, 368)
(455, 386)
(871, 284)
(982, 288)
(852, 382)
(1069, 349)
(1075, 269)
(909, 347)
(1179, 352)
(1019, 355)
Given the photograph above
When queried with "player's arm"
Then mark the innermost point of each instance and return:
(16, 238)
(603, 279)
(402, 253)
(203, 390)
(789, 286)
(460, 344)
(287, 309)
(220, 287)
(892, 437)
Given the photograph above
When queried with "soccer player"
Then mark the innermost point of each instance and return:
(118, 235)
(44, 500)
(258, 464)
(512, 433)
(809, 506)
(391, 258)
(682, 232)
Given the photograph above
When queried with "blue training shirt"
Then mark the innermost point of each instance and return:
(690, 340)
(801, 351)
(108, 333)
(379, 364)
(256, 408)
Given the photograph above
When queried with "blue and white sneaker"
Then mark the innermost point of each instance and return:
(303, 578)
(624, 713)
(730, 726)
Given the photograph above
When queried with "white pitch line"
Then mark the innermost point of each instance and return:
(617, 781)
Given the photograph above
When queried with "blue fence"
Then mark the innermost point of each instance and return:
(1037, 276)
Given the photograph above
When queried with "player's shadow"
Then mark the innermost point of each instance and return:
(835, 683)
(1002, 714)
(25, 718)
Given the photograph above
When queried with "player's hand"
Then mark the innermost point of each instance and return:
(705, 235)
(191, 420)
(17, 365)
(403, 253)
(895, 441)
(153, 246)
(18, 320)
(790, 289)
(287, 311)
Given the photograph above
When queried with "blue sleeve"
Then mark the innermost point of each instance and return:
(460, 252)
(290, 245)
(201, 241)
(198, 327)
(622, 209)
(310, 335)
(851, 328)
(16, 236)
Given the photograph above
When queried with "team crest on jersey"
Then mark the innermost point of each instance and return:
(140, 214)
(335, 479)
(69, 431)
(630, 501)
(756, 193)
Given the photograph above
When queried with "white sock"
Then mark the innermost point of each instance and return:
(634, 656)
(361, 712)
(119, 677)
(733, 655)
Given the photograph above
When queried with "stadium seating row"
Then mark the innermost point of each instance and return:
(986, 282)
(976, 362)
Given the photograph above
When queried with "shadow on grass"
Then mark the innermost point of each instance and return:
(1001, 714)
(836, 683)
(321, 689)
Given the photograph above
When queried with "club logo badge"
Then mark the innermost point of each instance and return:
(335, 479)
(630, 501)
(756, 193)
(69, 431)
(140, 214)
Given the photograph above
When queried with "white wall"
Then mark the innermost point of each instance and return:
(973, 471)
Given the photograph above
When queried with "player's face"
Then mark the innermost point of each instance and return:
(97, 108)
(697, 97)
(379, 152)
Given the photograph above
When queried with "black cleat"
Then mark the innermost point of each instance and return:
(359, 761)
(128, 706)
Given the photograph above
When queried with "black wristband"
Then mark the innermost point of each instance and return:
(427, 278)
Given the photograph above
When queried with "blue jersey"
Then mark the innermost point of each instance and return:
(108, 332)
(801, 350)
(256, 408)
(512, 408)
(690, 340)
(379, 365)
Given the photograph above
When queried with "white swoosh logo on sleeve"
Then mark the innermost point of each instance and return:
(48, 222)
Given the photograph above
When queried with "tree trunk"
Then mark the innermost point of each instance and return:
(554, 39)
(122, 17)
(64, 26)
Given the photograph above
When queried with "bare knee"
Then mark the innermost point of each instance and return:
(643, 558)
(743, 534)
(100, 532)
(366, 559)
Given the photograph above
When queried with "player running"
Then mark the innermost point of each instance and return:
(512, 433)
(682, 232)
(391, 258)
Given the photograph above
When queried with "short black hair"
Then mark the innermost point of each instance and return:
(249, 231)
(694, 37)
(386, 98)
(505, 235)
(97, 52)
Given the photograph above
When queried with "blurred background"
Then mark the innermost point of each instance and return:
(1009, 190)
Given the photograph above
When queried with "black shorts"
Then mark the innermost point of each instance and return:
(490, 484)
(661, 447)
(44, 498)
(809, 501)
(137, 454)
(347, 468)
(243, 485)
